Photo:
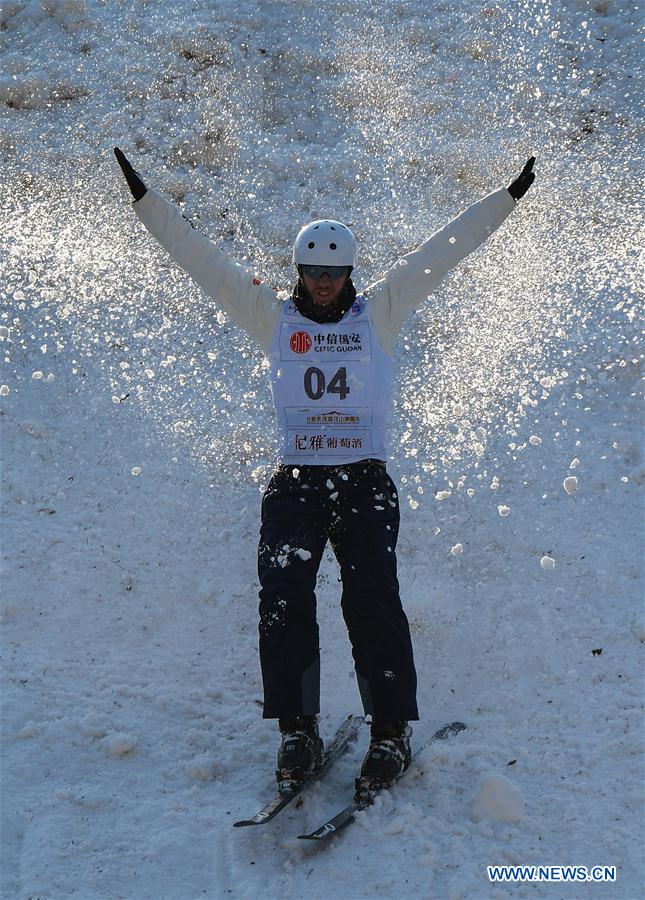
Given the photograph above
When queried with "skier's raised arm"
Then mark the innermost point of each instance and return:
(406, 285)
(251, 304)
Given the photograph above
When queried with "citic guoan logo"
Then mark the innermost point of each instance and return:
(300, 342)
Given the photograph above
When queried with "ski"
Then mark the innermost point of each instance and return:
(365, 795)
(346, 733)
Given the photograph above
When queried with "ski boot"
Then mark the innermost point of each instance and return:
(387, 758)
(300, 753)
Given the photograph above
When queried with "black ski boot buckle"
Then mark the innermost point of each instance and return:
(290, 781)
(365, 788)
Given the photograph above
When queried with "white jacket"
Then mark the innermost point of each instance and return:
(255, 306)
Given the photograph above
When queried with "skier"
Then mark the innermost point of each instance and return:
(330, 354)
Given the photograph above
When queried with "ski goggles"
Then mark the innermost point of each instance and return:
(317, 272)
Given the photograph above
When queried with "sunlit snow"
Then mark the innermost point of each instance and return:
(138, 434)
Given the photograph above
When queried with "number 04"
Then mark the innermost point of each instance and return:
(315, 383)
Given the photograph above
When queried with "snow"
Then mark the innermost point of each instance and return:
(118, 744)
(137, 437)
(570, 484)
(497, 800)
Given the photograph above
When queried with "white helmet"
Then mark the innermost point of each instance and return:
(325, 243)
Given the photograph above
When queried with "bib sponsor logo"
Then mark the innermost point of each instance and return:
(333, 418)
(321, 442)
(338, 342)
(300, 342)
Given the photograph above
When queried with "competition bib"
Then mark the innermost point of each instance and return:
(331, 388)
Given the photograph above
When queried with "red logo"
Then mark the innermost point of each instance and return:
(300, 342)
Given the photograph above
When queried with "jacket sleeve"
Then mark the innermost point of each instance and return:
(405, 286)
(252, 305)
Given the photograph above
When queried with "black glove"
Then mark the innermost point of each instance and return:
(133, 178)
(523, 181)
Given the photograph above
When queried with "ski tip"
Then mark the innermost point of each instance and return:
(243, 823)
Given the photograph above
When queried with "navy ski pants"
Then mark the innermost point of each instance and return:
(356, 508)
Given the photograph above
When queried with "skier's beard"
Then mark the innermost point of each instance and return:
(332, 313)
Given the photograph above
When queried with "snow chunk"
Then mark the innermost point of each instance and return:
(300, 552)
(92, 725)
(30, 730)
(118, 744)
(497, 800)
(570, 484)
(442, 495)
(638, 630)
(547, 562)
(202, 767)
(395, 826)
(456, 550)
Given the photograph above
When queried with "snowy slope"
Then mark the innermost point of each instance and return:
(137, 437)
